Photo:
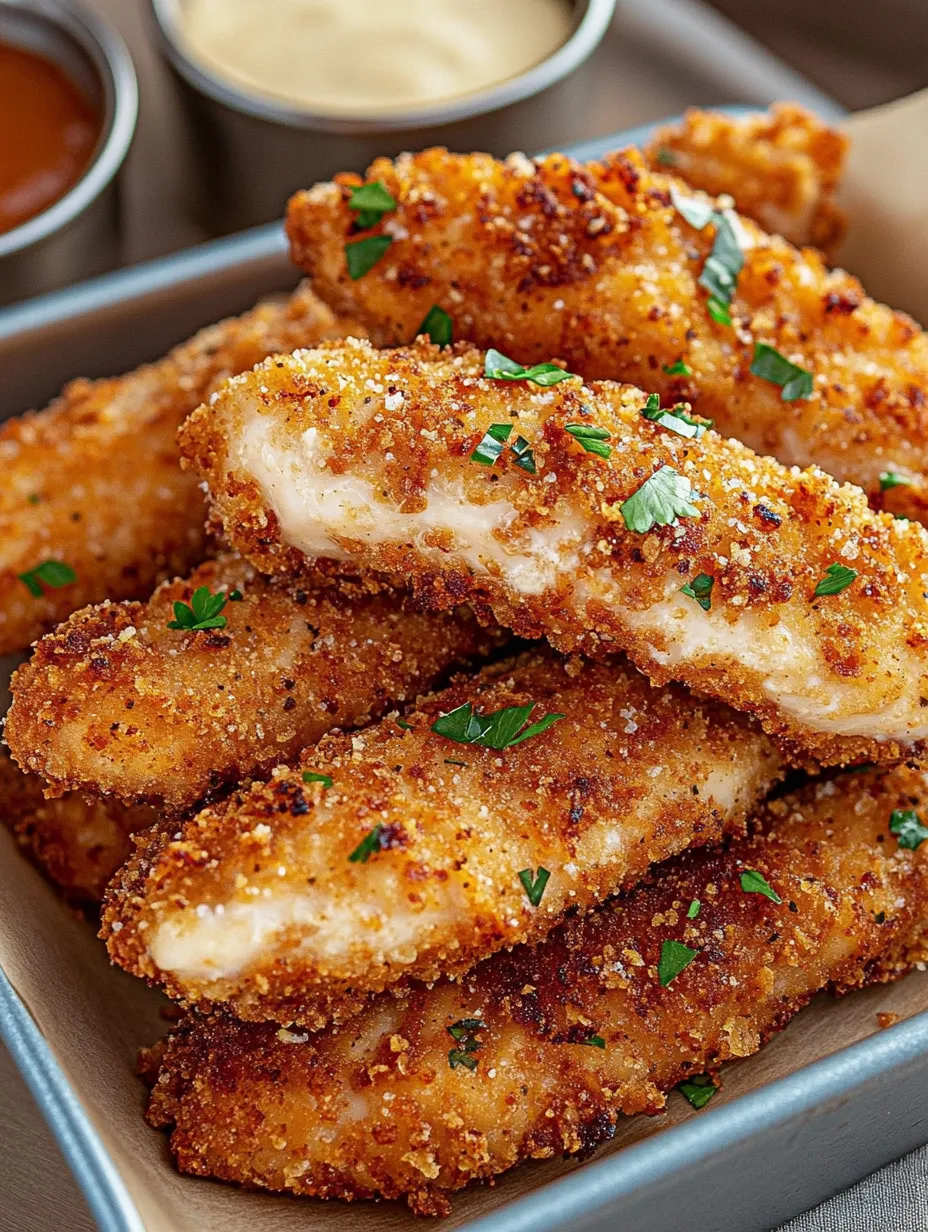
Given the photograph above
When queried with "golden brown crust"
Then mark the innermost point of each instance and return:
(781, 167)
(592, 263)
(371, 457)
(93, 479)
(373, 1108)
(626, 778)
(115, 702)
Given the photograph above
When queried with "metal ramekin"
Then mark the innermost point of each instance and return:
(78, 235)
(251, 153)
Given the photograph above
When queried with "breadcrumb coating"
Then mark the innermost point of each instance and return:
(93, 479)
(366, 454)
(593, 263)
(374, 1108)
(117, 703)
(77, 842)
(781, 167)
(272, 905)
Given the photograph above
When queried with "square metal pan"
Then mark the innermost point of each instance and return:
(742, 1167)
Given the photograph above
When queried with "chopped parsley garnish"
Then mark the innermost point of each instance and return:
(594, 1041)
(522, 455)
(405, 726)
(534, 886)
(675, 420)
(452, 761)
(697, 213)
(908, 829)
(371, 201)
(367, 846)
(889, 479)
(693, 910)
(677, 369)
(725, 261)
(837, 578)
(659, 501)
(364, 254)
(753, 883)
(592, 439)
(34, 498)
(770, 365)
(698, 1089)
(498, 367)
(700, 589)
(494, 441)
(665, 157)
(462, 1032)
(54, 573)
(718, 311)
(500, 730)
(310, 776)
(675, 957)
(201, 613)
(437, 325)
(235, 596)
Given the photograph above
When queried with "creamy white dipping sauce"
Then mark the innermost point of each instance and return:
(366, 56)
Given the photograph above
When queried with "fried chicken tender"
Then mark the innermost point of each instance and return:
(391, 1104)
(115, 702)
(93, 479)
(594, 264)
(781, 167)
(296, 899)
(370, 455)
(77, 842)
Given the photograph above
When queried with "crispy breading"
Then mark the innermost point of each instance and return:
(367, 454)
(78, 843)
(594, 264)
(781, 167)
(93, 479)
(374, 1108)
(116, 702)
(272, 905)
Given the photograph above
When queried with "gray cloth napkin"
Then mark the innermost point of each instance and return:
(894, 1199)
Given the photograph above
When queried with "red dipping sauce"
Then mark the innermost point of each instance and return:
(48, 134)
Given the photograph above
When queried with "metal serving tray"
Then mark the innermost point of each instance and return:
(744, 1165)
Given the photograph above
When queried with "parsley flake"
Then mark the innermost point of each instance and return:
(837, 578)
(405, 726)
(522, 455)
(908, 829)
(770, 365)
(698, 1089)
(463, 1033)
(437, 325)
(675, 957)
(500, 730)
(594, 1041)
(674, 420)
(310, 776)
(363, 255)
(677, 369)
(498, 367)
(697, 213)
(592, 439)
(201, 613)
(718, 311)
(700, 589)
(367, 846)
(659, 501)
(694, 909)
(665, 157)
(54, 573)
(491, 444)
(889, 479)
(235, 596)
(534, 886)
(724, 263)
(371, 201)
(752, 882)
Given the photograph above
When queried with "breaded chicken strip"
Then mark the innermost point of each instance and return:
(78, 843)
(92, 481)
(781, 167)
(416, 854)
(420, 1095)
(775, 590)
(594, 263)
(116, 702)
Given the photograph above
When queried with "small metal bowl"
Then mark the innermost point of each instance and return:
(78, 235)
(251, 152)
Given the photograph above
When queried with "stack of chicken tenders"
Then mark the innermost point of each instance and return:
(505, 673)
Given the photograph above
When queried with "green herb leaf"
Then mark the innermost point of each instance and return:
(54, 573)
(522, 455)
(437, 325)
(718, 311)
(659, 501)
(697, 213)
(700, 589)
(364, 254)
(534, 886)
(367, 846)
(889, 479)
(492, 444)
(453, 761)
(693, 909)
(908, 829)
(724, 263)
(837, 578)
(201, 613)
(500, 730)
(752, 882)
(770, 365)
(405, 726)
(675, 420)
(498, 367)
(677, 369)
(371, 201)
(698, 1090)
(34, 498)
(675, 957)
(310, 776)
(592, 439)
(462, 1032)
(595, 1041)
(665, 157)
(235, 596)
